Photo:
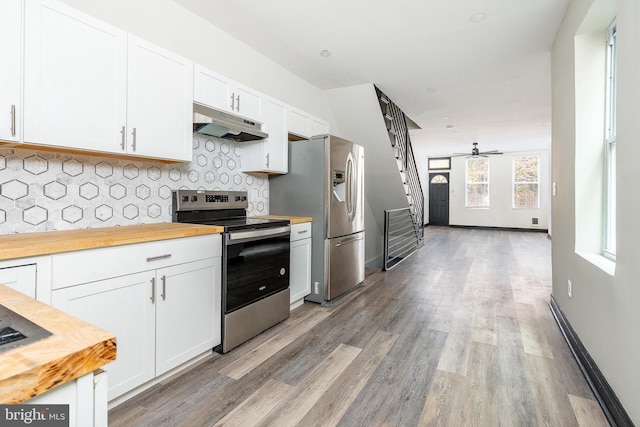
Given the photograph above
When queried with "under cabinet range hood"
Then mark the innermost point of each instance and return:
(217, 123)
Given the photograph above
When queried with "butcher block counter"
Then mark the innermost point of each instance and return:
(51, 242)
(74, 349)
(291, 219)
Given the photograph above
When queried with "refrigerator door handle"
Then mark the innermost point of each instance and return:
(350, 178)
(347, 241)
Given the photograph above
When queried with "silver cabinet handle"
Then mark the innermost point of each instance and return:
(302, 231)
(233, 103)
(238, 103)
(159, 257)
(267, 159)
(153, 290)
(164, 288)
(124, 137)
(13, 120)
(133, 145)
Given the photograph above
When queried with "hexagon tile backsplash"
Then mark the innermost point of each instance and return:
(42, 191)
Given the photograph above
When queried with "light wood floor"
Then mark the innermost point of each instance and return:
(460, 334)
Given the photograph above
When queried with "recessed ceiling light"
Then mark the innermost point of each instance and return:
(478, 17)
(431, 90)
(444, 117)
(325, 53)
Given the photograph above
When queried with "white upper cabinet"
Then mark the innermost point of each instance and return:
(75, 79)
(91, 86)
(219, 92)
(271, 154)
(318, 127)
(212, 89)
(248, 103)
(160, 102)
(302, 125)
(298, 123)
(10, 69)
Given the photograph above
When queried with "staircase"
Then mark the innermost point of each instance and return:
(396, 124)
(357, 117)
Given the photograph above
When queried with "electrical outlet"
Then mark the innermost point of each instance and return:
(316, 288)
(569, 286)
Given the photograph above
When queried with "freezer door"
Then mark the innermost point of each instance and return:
(346, 264)
(346, 188)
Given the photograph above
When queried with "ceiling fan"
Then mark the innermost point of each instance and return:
(475, 152)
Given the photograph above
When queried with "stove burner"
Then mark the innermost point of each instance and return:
(16, 330)
(8, 334)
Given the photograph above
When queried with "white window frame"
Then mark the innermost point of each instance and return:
(514, 182)
(609, 238)
(468, 182)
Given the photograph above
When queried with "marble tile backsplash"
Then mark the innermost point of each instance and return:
(42, 191)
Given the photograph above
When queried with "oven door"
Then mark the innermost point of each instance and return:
(256, 265)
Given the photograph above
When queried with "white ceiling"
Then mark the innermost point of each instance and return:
(489, 80)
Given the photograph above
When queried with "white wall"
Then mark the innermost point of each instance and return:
(500, 212)
(167, 24)
(603, 308)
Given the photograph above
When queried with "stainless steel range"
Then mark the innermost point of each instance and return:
(255, 261)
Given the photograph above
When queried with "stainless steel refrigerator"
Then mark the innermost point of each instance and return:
(326, 182)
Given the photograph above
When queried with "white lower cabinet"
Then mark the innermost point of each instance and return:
(161, 317)
(21, 278)
(86, 399)
(300, 266)
(122, 306)
(31, 276)
(186, 312)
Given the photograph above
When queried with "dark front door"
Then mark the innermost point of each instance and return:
(439, 198)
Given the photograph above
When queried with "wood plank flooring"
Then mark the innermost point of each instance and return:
(460, 334)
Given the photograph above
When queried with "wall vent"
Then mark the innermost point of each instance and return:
(534, 221)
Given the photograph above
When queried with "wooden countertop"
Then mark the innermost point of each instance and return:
(50, 242)
(291, 219)
(75, 349)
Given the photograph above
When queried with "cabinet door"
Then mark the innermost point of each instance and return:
(22, 278)
(212, 89)
(318, 127)
(276, 144)
(300, 269)
(248, 103)
(188, 312)
(268, 155)
(160, 102)
(75, 79)
(125, 307)
(10, 69)
(298, 123)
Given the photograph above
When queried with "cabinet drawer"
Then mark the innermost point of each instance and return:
(22, 278)
(300, 231)
(74, 268)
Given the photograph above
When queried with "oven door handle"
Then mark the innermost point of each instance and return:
(258, 234)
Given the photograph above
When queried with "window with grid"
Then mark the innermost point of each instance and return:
(477, 183)
(526, 185)
(609, 248)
